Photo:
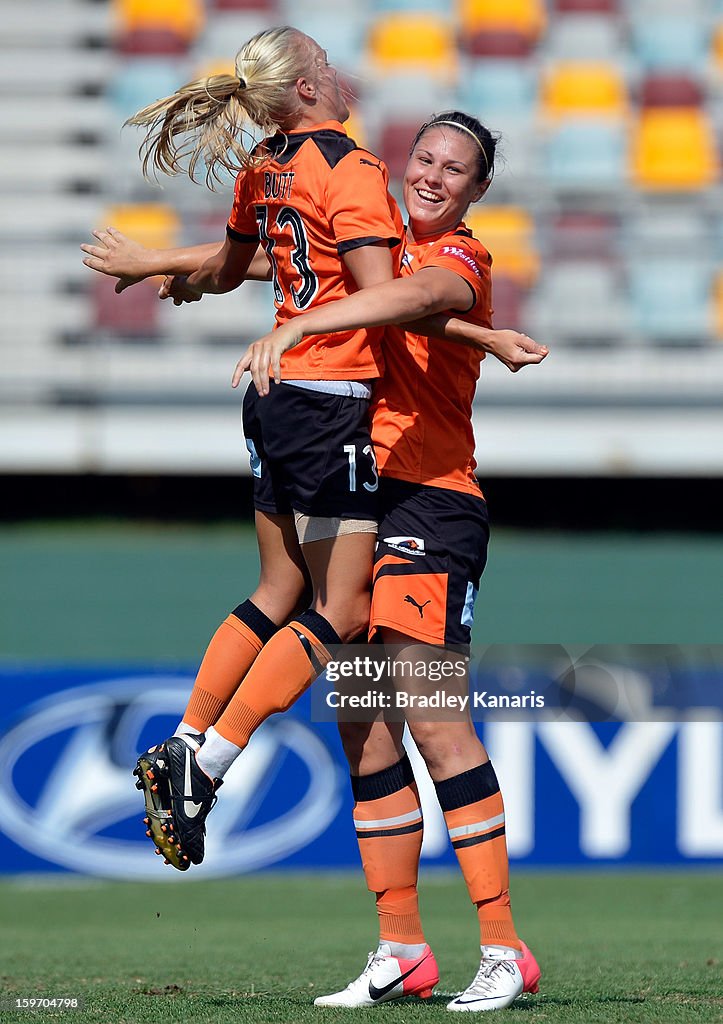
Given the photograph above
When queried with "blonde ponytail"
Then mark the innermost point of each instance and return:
(205, 120)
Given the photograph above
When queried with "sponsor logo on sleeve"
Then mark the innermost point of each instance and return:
(460, 254)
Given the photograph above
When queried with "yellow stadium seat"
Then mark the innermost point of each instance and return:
(528, 17)
(182, 17)
(589, 88)
(403, 42)
(152, 224)
(508, 233)
(674, 148)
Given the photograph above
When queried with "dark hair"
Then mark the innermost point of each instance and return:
(467, 125)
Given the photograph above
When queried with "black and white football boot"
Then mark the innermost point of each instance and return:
(178, 797)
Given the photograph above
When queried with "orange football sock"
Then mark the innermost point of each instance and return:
(287, 666)
(474, 813)
(233, 649)
(388, 822)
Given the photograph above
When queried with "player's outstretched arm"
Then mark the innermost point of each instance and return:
(221, 273)
(513, 349)
(118, 256)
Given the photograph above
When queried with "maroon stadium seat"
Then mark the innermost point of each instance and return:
(496, 43)
(670, 91)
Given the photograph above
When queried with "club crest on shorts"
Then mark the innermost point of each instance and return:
(407, 545)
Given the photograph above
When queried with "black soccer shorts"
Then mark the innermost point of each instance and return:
(430, 555)
(310, 452)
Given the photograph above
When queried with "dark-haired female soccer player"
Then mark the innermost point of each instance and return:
(433, 534)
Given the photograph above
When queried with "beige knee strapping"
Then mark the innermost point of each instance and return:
(311, 528)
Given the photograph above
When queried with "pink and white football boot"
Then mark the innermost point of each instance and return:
(501, 978)
(387, 977)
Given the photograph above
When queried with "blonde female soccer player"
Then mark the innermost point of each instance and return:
(319, 205)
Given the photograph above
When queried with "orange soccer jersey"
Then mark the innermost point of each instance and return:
(315, 198)
(422, 408)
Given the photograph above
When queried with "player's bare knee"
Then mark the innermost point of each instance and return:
(279, 599)
(350, 618)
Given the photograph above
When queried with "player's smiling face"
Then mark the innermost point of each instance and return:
(441, 180)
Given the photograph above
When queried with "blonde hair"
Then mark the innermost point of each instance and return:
(205, 119)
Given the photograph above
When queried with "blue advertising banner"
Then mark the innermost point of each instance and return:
(639, 788)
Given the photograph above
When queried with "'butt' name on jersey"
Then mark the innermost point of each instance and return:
(278, 184)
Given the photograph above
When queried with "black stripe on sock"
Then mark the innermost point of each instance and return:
(474, 840)
(320, 627)
(255, 619)
(310, 651)
(469, 787)
(383, 783)
(404, 831)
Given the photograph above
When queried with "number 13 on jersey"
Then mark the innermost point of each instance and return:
(287, 217)
(350, 450)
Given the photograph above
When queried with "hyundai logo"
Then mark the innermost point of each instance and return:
(84, 813)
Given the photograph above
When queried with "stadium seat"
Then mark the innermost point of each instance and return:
(152, 224)
(394, 144)
(163, 27)
(408, 42)
(343, 38)
(146, 42)
(507, 301)
(403, 97)
(583, 88)
(668, 227)
(133, 314)
(186, 17)
(528, 17)
(670, 91)
(585, 6)
(269, 7)
(578, 301)
(671, 43)
(508, 234)
(140, 81)
(496, 44)
(673, 148)
(499, 89)
(672, 300)
(587, 154)
(415, 6)
(583, 37)
(583, 236)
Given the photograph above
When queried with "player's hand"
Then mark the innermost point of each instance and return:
(515, 350)
(117, 256)
(263, 357)
(176, 288)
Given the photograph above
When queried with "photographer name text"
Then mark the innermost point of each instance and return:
(438, 700)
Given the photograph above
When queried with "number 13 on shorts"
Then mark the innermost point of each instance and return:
(368, 450)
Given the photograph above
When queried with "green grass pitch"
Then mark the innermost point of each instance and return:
(88, 592)
(614, 948)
